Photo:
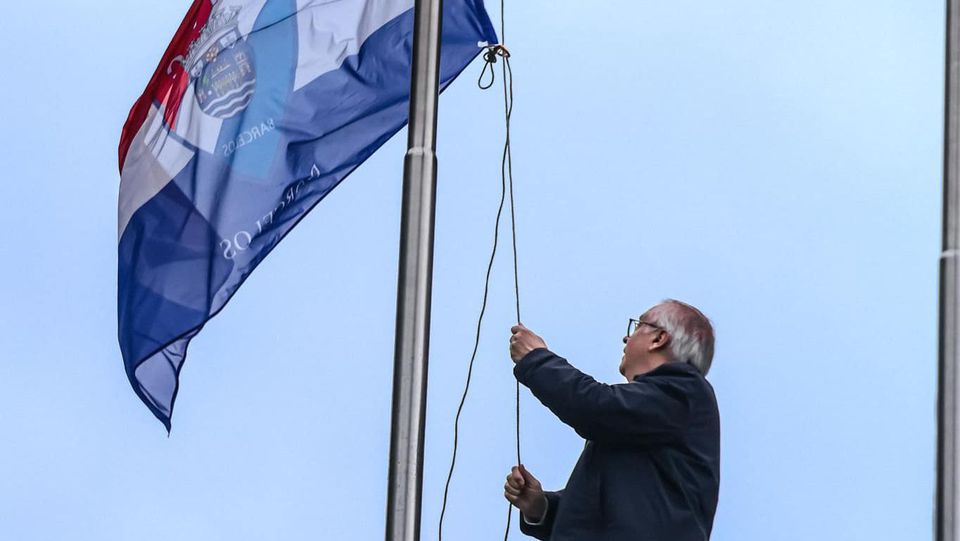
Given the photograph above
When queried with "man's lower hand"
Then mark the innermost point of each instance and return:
(524, 491)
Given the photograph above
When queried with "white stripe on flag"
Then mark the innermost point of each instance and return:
(330, 32)
(152, 161)
(249, 12)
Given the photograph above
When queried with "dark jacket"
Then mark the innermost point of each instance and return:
(650, 470)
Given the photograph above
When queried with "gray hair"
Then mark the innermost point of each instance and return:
(691, 334)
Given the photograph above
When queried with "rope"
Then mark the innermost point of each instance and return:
(506, 178)
(507, 163)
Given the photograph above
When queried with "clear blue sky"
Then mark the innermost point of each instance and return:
(777, 164)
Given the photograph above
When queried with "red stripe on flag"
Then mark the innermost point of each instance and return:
(165, 88)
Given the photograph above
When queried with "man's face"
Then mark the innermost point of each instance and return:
(638, 345)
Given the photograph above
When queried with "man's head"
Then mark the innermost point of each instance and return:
(671, 331)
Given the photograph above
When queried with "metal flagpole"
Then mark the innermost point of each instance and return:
(405, 480)
(948, 513)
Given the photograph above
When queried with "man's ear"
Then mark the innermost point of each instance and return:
(660, 341)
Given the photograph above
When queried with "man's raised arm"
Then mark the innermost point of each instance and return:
(648, 410)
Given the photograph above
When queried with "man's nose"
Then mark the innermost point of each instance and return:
(625, 339)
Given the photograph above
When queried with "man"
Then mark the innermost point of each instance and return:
(650, 470)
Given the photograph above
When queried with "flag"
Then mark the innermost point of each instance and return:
(258, 109)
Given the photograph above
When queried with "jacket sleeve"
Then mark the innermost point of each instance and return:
(651, 409)
(544, 528)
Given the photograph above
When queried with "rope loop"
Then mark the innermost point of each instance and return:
(490, 58)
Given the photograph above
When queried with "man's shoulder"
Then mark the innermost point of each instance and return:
(681, 379)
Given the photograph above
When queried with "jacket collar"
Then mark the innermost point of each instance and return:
(670, 368)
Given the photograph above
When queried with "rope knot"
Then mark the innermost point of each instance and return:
(493, 51)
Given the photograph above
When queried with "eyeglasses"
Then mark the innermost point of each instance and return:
(634, 324)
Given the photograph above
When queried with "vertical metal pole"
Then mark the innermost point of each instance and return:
(948, 512)
(405, 484)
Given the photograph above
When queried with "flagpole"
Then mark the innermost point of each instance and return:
(411, 349)
(948, 415)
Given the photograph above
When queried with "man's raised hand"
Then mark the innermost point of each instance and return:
(523, 341)
(524, 491)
